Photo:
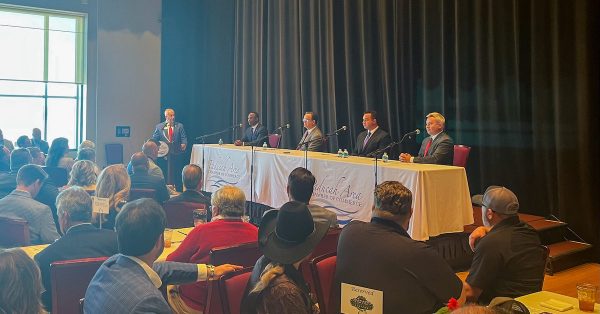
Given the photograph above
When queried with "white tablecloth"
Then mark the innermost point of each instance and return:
(441, 199)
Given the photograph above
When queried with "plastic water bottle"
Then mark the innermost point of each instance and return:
(220, 141)
(340, 153)
(264, 144)
(345, 153)
(385, 157)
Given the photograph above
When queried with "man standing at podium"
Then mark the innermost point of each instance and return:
(172, 134)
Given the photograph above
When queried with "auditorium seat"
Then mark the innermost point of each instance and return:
(274, 140)
(323, 272)
(114, 153)
(327, 245)
(180, 214)
(13, 232)
(135, 194)
(461, 155)
(70, 280)
(232, 287)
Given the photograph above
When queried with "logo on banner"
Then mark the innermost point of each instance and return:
(222, 170)
(339, 191)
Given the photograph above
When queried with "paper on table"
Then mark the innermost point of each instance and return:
(556, 305)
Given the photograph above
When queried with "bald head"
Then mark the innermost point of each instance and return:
(150, 149)
(192, 177)
(139, 162)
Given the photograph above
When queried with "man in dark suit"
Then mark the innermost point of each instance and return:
(313, 139)
(373, 138)
(438, 147)
(256, 134)
(128, 282)
(81, 239)
(173, 134)
(192, 181)
(141, 179)
(37, 141)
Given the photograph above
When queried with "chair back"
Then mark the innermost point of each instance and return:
(461, 155)
(327, 245)
(58, 175)
(114, 153)
(245, 254)
(135, 194)
(274, 140)
(180, 214)
(70, 280)
(232, 287)
(14, 232)
(323, 272)
(545, 254)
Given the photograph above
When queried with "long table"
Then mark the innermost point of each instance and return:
(441, 198)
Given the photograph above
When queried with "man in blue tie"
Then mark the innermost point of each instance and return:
(438, 147)
(372, 138)
(256, 134)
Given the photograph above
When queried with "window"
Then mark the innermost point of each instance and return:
(42, 73)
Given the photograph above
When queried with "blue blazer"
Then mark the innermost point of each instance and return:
(122, 286)
(179, 137)
(257, 138)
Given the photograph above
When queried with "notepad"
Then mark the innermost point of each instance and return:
(556, 305)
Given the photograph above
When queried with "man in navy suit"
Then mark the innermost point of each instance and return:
(81, 239)
(438, 147)
(129, 282)
(141, 179)
(256, 134)
(172, 133)
(372, 138)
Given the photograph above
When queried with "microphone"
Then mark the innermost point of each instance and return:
(285, 126)
(343, 128)
(417, 132)
(237, 126)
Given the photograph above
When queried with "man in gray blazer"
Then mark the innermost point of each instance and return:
(20, 204)
(300, 187)
(438, 147)
(313, 139)
(129, 282)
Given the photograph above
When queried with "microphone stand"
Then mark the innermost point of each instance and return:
(376, 153)
(305, 144)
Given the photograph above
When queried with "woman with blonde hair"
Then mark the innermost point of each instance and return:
(20, 278)
(84, 174)
(114, 184)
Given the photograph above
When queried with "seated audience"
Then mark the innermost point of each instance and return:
(6, 143)
(113, 183)
(84, 175)
(301, 183)
(286, 237)
(150, 149)
(227, 203)
(4, 159)
(128, 282)
(411, 274)
(23, 141)
(438, 147)
(37, 141)
(141, 179)
(57, 154)
(21, 285)
(37, 157)
(508, 259)
(20, 204)
(86, 154)
(191, 176)
(86, 144)
(81, 239)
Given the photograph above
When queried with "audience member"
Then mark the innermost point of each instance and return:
(20, 204)
(6, 143)
(37, 157)
(81, 239)
(21, 286)
(86, 144)
(312, 140)
(37, 141)
(508, 259)
(128, 282)
(150, 149)
(23, 142)
(113, 183)
(86, 154)
(411, 274)
(141, 179)
(57, 154)
(373, 138)
(301, 183)
(438, 147)
(286, 237)
(227, 203)
(84, 174)
(192, 182)
(256, 134)
(4, 159)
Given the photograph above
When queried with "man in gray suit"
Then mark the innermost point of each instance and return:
(20, 204)
(129, 282)
(301, 184)
(312, 140)
(438, 147)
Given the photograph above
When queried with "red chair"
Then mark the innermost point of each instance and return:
(14, 232)
(232, 287)
(323, 272)
(135, 194)
(274, 140)
(70, 280)
(180, 214)
(461, 154)
(114, 153)
(327, 245)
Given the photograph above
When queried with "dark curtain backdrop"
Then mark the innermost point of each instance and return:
(518, 81)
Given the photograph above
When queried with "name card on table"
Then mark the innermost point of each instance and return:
(100, 205)
(356, 299)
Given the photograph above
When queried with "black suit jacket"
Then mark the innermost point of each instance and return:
(440, 152)
(378, 140)
(257, 138)
(190, 196)
(147, 181)
(81, 241)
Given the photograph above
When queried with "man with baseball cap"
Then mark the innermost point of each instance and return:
(509, 260)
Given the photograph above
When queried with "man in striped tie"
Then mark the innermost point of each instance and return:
(438, 147)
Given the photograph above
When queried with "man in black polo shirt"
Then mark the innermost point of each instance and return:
(508, 260)
(380, 255)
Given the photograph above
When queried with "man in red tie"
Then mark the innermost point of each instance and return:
(437, 148)
(172, 134)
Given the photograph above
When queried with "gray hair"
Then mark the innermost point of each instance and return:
(84, 173)
(86, 144)
(230, 200)
(76, 202)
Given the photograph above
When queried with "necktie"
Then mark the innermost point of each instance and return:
(366, 139)
(427, 147)
(302, 140)
(170, 134)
